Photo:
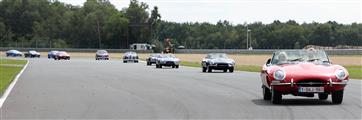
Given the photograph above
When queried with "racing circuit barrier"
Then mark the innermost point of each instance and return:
(188, 51)
(264, 51)
(87, 50)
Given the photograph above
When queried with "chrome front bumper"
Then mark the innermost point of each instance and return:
(292, 83)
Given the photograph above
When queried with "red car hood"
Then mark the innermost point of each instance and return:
(302, 71)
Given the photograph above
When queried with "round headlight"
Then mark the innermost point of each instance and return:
(279, 75)
(340, 74)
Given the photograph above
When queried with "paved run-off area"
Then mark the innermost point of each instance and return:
(85, 89)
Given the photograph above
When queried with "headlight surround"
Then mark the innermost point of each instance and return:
(340, 74)
(279, 75)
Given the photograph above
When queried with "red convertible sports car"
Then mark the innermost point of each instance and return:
(303, 73)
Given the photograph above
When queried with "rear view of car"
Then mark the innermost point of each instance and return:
(168, 60)
(152, 59)
(32, 54)
(62, 55)
(52, 54)
(13, 53)
(102, 55)
(130, 57)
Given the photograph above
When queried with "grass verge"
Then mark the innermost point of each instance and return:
(9, 68)
(355, 72)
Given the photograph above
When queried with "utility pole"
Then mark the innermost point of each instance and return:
(247, 36)
(99, 34)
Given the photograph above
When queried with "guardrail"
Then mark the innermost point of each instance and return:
(76, 50)
(263, 51)
(190, 51)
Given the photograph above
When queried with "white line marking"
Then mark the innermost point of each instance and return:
(11, 86)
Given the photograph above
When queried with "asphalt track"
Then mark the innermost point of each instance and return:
(89, 89)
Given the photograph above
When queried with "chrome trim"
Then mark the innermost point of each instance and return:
(344, 82)
(330, 82)
(292, 82)
(277, 83)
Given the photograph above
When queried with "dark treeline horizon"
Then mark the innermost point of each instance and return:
(98, 24)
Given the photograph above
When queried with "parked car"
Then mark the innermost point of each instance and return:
(32, 54)
(62, 55)
(302, 73)
(102, 55)
(152, 59)
(13, 53)
(168, 60)
(130, 57)
(217, 61)
(52, 54)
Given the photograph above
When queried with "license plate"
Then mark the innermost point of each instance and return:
(311, 89)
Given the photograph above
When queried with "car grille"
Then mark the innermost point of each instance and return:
(169, 63)
(311, 83)
(222, 64)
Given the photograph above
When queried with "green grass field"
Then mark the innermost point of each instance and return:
(9, 68)
(355, 72)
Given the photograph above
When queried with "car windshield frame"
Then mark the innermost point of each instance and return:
(102, 52)
(217, 55)
(297, 56)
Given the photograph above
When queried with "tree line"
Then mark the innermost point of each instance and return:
(98, 24)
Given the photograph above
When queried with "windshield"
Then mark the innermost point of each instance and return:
(102, 52)
(218, 55)
(283, 57)
(168, 56)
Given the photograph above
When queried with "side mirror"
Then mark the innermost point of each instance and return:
(268, 62)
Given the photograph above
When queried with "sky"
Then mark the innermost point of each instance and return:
(249, 11)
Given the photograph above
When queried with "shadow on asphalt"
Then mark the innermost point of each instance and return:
(293, 102)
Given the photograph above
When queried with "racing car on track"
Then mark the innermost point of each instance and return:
(62, 55)
(168, 60)
(130, 57)
(102, 55)
(152, 59)
(302, 73)
(217, 61)
(52, 54)
(13, 53)
(32, 54)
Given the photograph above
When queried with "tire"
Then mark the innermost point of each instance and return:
(322, 96)
(209, 69)
(173, 66)
(177, 66)
(148, 63)
(276, 97)
(124, 61)
(266, 93)
(204, 69)
(337, 97)
(160, 66)
(231, 69)
(225, 70)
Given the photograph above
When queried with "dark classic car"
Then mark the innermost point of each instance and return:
(130, 57)
(168, 60)
(52, 54)
(217, 61)
(62, 55)
(13, 53)
(302, 73)
(32, 54)
(152, 59)
(102, 55)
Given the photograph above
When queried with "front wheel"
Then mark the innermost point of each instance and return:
(276, 97)
(322, 96)
(209, 69)
(337, 97)
(177, 66)
(266, 93)
(204, 69)
(231, 69)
